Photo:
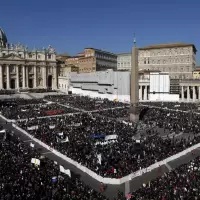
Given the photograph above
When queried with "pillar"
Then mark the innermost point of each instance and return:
(8, 77)
(188, 93)
(1, 78)
(140, 93)
(193, 93)
(45, 76)
(23, 77)
(55, 76)
(182, 93)
(27, 76)
(17, 77)
(199, 92)
(35, 76)
(145, 92)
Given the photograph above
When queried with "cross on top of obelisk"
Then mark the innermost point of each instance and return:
(134, 41)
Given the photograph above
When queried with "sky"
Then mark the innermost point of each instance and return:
(71, 26)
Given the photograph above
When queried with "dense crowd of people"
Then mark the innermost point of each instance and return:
(120, 156)
(85, 102)
(182, 183)
(7, 92)
(22, 109)
(42, 90)
(174, 105)
(103, 144)
(21, 179)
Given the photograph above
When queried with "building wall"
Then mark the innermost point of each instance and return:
(22, 68)
(178, 61)
(93, 60)
(124, 61)
(196, 74)
(111, 84)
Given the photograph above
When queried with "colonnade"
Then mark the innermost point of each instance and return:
(190, 93)
(143, 92)
(21, 76)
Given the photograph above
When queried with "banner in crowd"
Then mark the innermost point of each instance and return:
(35, 161)
(52, 126)
(31, 128)
(105, 142)
(54, 112)
(65, 171)
(99, 136)
(111, 137)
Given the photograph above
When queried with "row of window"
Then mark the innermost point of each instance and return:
(63, 86)
(166, 52)
(30, 56)
(124, 63)
(148, 61)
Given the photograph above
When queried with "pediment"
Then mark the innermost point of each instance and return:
(12, 56)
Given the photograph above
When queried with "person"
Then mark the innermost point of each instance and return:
(102, 187)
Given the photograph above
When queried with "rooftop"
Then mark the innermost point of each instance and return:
(101, 51)
(168, 45)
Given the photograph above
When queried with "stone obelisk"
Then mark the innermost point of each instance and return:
(134, 94)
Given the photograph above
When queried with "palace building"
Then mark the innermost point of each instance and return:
(21, 68)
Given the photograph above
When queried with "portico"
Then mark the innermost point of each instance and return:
(190, 90)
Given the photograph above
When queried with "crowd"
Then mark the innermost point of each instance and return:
(182, 183)
(42, 90)
(174, 105)
(17, 111)
(7, 92)
(86, 134)
(85, 102)
(21, 179)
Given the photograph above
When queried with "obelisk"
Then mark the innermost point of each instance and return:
(134, 93)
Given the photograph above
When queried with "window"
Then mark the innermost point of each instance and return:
(39, 56)
(3, 54)
(49, 56)
(30, 56)
(20, 55)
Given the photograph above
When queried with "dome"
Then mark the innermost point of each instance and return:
(3, 38)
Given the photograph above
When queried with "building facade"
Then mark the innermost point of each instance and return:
(178, 59)
(114, 84)
(24, 68)
(92, 60)
(196, 73)
(124, 61)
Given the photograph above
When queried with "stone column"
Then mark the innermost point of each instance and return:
(27, 77)
(8, 77)
(1, 78)
(44, 76)
(35, 76)
(188, 93)
(17, 77)
(182, 93)
(23, 77)
(145, 92)
(140, 93)
(55, 80)
(199, 92)
(194, 93)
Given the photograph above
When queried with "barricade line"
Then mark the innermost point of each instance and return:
(110, 180)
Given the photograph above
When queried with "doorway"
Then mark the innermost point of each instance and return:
(12, 83)
(49, 83)
(30, 83)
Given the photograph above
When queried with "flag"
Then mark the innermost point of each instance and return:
(128, 196)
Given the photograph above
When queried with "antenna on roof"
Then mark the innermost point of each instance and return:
(134, 41)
